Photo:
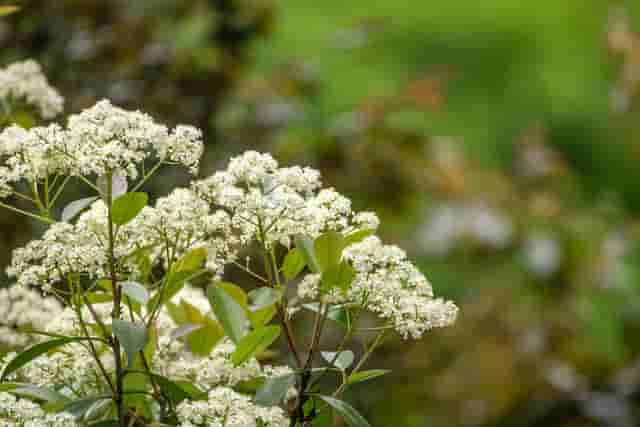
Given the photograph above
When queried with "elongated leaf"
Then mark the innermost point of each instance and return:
(357, 236)
(236, 292)
(346, 411)
(343, 360)
(79, 407)
(305, 246)
(127, 207)
(363, 376)
(177, 392)
(338, 314)
(262, 316)
(74, 208)
(191, 261)
(201, 341)
(338, 276)
(255, 343)
(293, 264)
(136, 292)
(132, 337)
(274, 390)
(263, 297)
(34, 351)
(34, 392)
(184, 330)
(328, 249)
(230, 314)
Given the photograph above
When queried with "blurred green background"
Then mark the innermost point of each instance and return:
(496, 139)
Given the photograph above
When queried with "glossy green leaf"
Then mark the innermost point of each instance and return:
(338, 276)
(346, 411)
(363, 376)
(262, 316)
(132, 336)
(263, 297)
(328, 249)
(230, 314)
(135, 291)
(34, 351)
(34, 392)
(191, 261)
(176, 392)
(236, 292)
(202, 340)
(357, 236)
(274, 390)
(343, 360)
(255, 343)
(293, 264)
(74, 208)
(127, 207)
(306, 247)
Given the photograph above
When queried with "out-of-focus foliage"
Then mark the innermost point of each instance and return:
(497, 139)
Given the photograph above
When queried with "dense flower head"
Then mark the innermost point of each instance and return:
(76, 369)
(387, 284)
(226, 407)
(279, 202)
(24, 82)
(178, 223)
(105, 137)
(23, 308)
(100, 140)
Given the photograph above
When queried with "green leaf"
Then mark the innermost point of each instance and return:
(191, 261)
(343, 360)
(132, 337)
(135, 291)
(357, 236)
(338, 314)
(74, 208)
(262, 316)
(127, 207)
(34, 351)
(306, 248)
(293, 264)
(177, 392)
(202, 340)
(338, 276)
(363, 376)
(78, 408)
(346, 411)
(34, 392)
(263, 297)
(230, 314)
(235, 291)
(274, 390)
(254, 343)
(184, 330)
(7, 10)
(328, 249)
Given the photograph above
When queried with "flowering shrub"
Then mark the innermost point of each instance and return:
(125, 338)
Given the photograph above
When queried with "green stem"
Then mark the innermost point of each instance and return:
(29, 214)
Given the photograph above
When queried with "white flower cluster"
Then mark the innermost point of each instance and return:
(24, 82)
(101, 139)
(387, 284)
(74, 369)
(279, 202)
(23, 308)
(227, 408)
(179, 222)
(16, 412)
(105, 137)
